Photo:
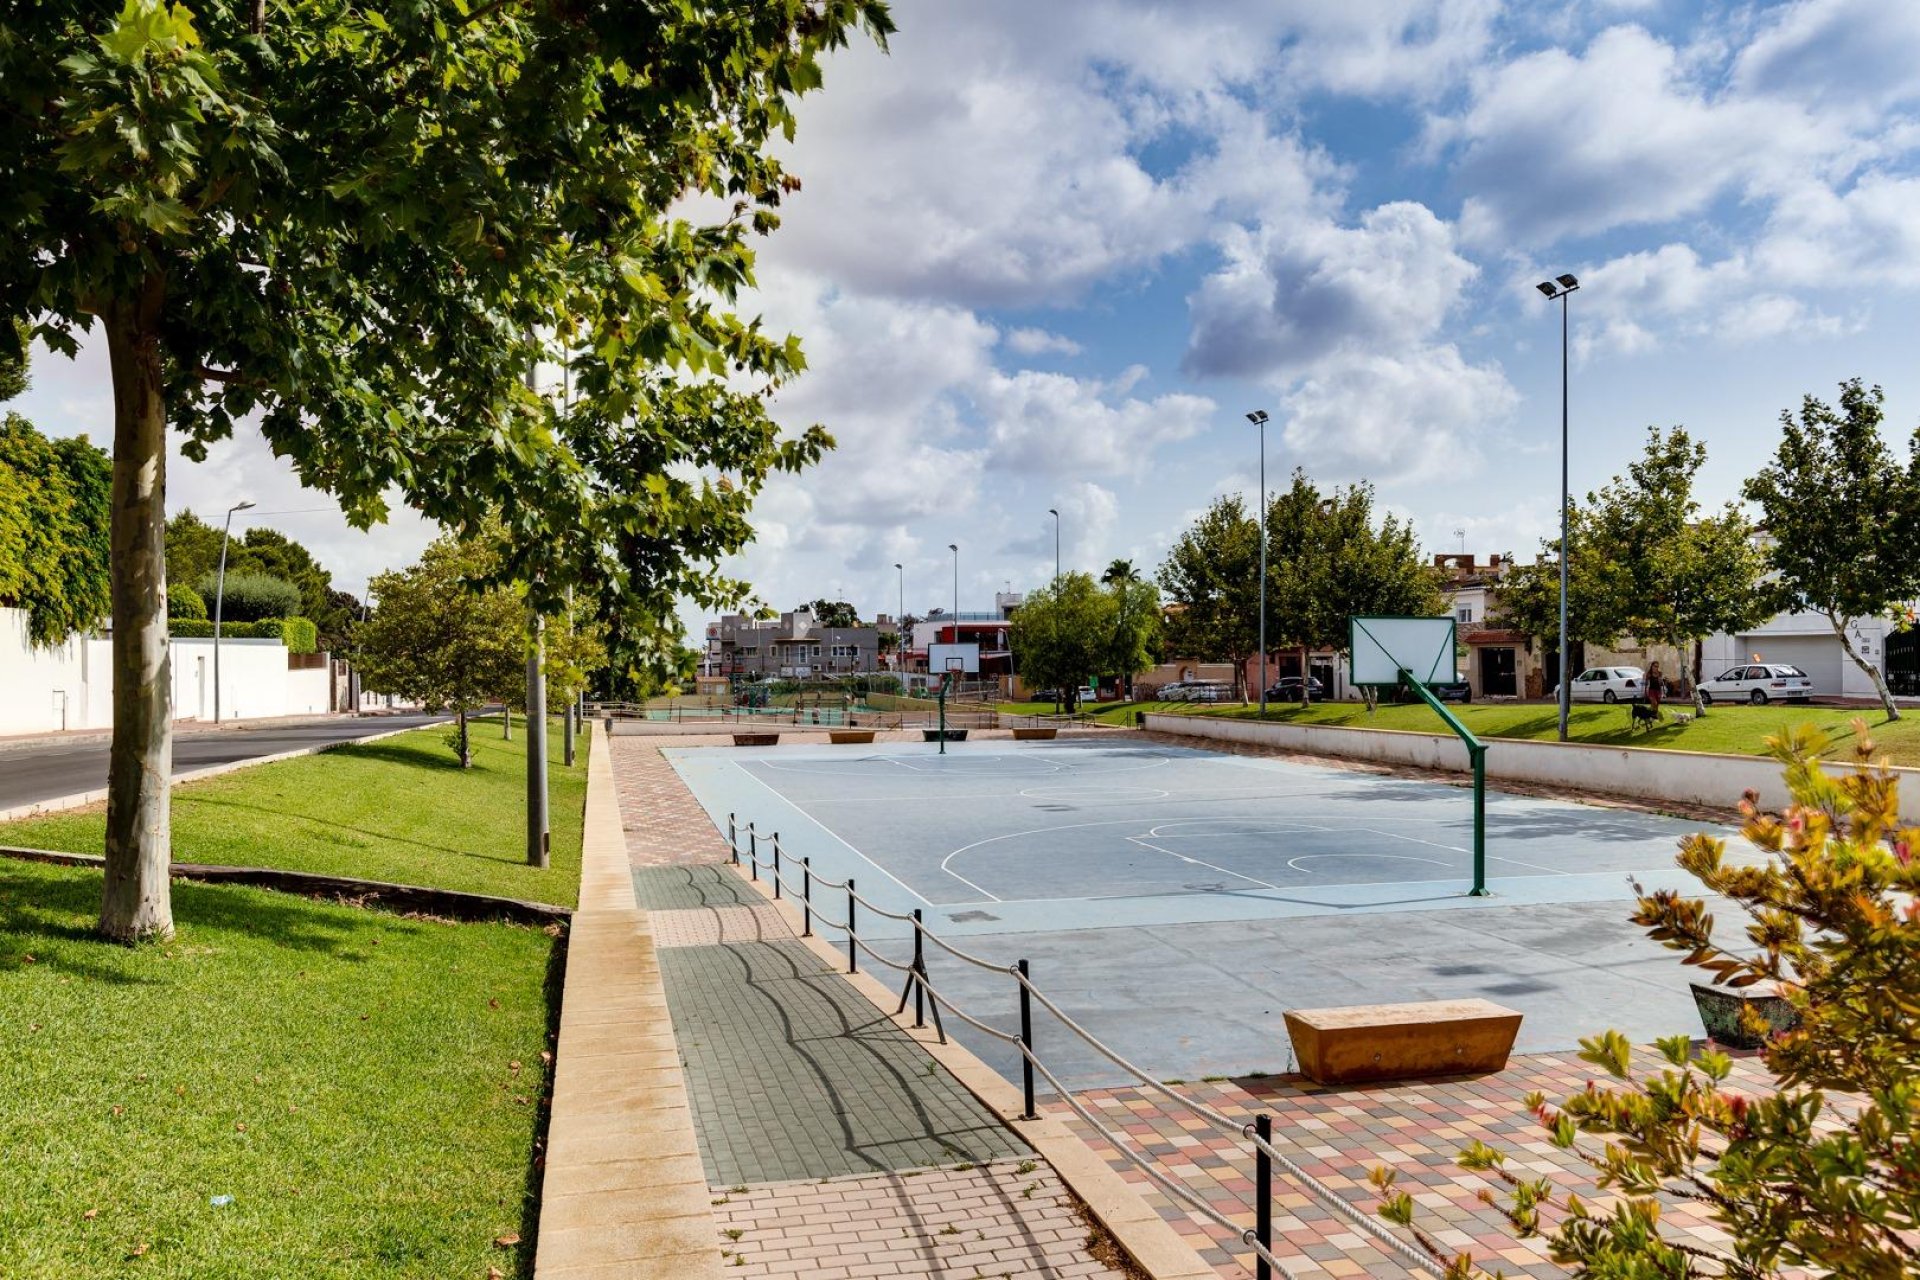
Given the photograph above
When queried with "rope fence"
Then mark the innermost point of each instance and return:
(1255, 1137)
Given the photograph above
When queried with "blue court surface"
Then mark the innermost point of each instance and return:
(1177, 900)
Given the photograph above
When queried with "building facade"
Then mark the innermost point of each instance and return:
(792, 646)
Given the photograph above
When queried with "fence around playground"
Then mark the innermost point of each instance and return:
(763, 852)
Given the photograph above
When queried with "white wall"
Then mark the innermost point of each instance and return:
(1689, 777)
(1807, 641)
(35, 683)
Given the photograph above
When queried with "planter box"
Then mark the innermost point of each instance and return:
(1720, 1013)
(952, 735)
(1034, 735)
(756, 739)
(1369, 1042)
(846, 737)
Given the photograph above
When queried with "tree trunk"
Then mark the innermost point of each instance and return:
(466, 750)
(1699, 668)
(1306, 673)
(1873, 672)
(135, 900)
(506, 722)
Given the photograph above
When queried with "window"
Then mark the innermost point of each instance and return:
(1463, 614)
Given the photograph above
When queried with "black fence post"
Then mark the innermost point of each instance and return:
(1026, 1042)
(776, 866)
(806, 897)
(853, 947)
(919, 973)
(753, 851)
(1263, 1194)
(733, 839)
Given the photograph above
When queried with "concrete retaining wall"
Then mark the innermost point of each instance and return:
(1685, 777)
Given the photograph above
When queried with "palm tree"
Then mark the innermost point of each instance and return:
(1120, 571)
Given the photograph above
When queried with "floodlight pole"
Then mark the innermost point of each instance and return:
(1561, 287)
(1477, 754)
(1259, 419)
(219, 602)
(1055, 513)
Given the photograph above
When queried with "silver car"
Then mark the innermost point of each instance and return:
(1608, 684)
(1758, 683)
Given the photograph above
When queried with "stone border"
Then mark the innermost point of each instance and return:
(81, 799)
(623, 1193)
(1652, 774)
(1142, 1234)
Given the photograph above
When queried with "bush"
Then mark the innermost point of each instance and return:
(298, 634)
(250, 597)
(1819, 1178)
(192, 628)
(183, 602)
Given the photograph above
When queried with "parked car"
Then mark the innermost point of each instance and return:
(1287, 689)
(1445, 691)
(1758, 683)
(1197, 691)
(1607, 684)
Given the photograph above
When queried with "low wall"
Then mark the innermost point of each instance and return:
(1683, 777)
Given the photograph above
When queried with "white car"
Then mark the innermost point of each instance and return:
(1607, 684)
(1758, 683)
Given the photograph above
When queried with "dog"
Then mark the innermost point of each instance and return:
(1645, 715)
(1683, 717)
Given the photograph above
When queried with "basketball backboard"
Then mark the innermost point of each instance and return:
(941, 659)
(1381, 648)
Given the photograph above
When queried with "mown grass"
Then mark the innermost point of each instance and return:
(400, 809)
(1733, 730)
(347, 1076)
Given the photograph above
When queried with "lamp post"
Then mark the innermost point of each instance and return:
(1259, 419)
(1562, 287)
(1055, 513)
(219, 602)
(955, 548)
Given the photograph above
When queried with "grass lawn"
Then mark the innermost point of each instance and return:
(400, 809)
(346, 1076)
(1733, 730)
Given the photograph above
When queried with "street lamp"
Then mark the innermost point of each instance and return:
(1055, 513)
(1562, 287)
(1259, 419)
(955, 548)
(219, 602)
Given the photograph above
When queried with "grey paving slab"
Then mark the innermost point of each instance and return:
(793, 1074)
(682, 888)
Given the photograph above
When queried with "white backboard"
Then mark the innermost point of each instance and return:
(941, 659)
(1382, 647)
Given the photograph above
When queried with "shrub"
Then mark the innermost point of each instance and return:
(190, 628)
(1800, 1182)
(250, 597)
(298, 634)
(183, 602)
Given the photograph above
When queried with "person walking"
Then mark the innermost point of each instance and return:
(1656, 687)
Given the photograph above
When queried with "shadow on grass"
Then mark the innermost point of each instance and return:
(41, 906)
(344, 826)
(435, 759)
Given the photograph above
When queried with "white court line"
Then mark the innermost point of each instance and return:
(741, 765)
(1264, 884)
(1397, 857)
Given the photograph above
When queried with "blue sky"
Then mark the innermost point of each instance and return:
(1047, 255)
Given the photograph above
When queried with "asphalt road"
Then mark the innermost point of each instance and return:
(31, 775)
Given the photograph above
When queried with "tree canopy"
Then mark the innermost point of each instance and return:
(193, 557)
(833, 613)
(54, 497)
(1841, 515)
(1211, 577)
(361, 228)
(1063, 634)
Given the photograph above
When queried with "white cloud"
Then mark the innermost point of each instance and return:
(1856, 57)
(1047, 422)
(1039, 342)
(1390, 417)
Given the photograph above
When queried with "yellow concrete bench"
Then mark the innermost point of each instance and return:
(844, 737)
(756, 739)
(1038, 734)
(1366, 1042)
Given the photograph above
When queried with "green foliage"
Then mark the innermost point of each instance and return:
(440, 637)
(1212, 581)
(298, 634)
(1328, 560)
(13, 360)
(1818, 1178)
(834, 613)
(1841, 517)
(1063, 632)
(55, 504)
(248, 596)
(184, 603)
(193, 555)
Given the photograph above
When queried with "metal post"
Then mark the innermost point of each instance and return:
(776, 866)
(753, 852)
(1480, 823)
(566, 734)
(1566, 676)
(1026, 1043)
(1263, 1194)
(919, 972)
(806, 897)
(853, 948)
(219, 602)
(537, 834)
(1263, 567)
(733, 839)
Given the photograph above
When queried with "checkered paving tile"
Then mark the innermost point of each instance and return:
(1004, 1219)
(664, 825)
(715, 925)
(1338, 1134)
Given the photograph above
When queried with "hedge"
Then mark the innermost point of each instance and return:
(298, 634)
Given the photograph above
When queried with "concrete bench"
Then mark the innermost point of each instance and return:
(1037, 734)
(952, 735)
(1366, 1042)
(844, 737)
(756, 739)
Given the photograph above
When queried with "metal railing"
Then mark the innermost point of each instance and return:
(1256, 1135)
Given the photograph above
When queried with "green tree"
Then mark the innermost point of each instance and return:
(248, 596)
(1134, 642)
(1064, 634)
(833, 613)
(1212, 581)
(184, 603)
(361, 227)
(54, 511)
(441, 637)
(1817, 1178)
(1840, 516)
(1119, 571)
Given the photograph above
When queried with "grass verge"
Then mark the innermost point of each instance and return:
(1731, 730)
(400, 809)
(364, 1086)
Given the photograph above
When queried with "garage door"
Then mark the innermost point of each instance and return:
(1819, 656)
